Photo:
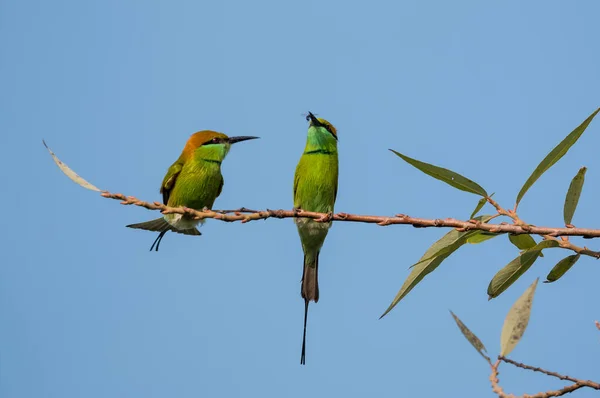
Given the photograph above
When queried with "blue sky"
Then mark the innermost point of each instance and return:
(117, 87)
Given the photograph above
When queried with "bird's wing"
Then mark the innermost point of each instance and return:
(220, 187)
(336, 181)
(296, 182)
(335, 191)
(169, 180)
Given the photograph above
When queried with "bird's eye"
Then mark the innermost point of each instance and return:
(307, 118)
(215, 140)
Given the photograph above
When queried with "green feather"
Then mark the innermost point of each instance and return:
(200, 181)
(316, 178)
(315, 189)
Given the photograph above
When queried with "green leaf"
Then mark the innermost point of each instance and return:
(573, 195)
(479, 206)
(517, 267)
(445, 175)
(561, 268)
(450, 242)
(554, 156)
(470, 336)
(416, 275)
(70, 173)
(511, 272)
(523, 242)
(516, 321)
(481, 236)
(432, 258)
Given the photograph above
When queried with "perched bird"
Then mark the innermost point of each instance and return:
(315, 189)
(193, 181)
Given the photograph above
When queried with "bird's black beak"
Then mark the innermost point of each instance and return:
(233, 140)
(313, 120)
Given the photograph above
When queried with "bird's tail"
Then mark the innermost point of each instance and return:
(309, 291)
(310, 277)
(161, 225)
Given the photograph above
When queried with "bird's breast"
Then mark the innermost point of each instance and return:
(196, 187)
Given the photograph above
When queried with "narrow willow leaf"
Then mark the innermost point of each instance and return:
(573, 195)
(554, 156)
(516, 320)
(70, 173)
(479, 206)
(481, 236)
(517, 267)
(432, 258)
(447, 243)
(416, 275)
(511, 272)
(445, 175)
(523, 242)
(470, 336)
(561, 268)
(451, 241)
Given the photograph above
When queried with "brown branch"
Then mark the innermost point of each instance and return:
(597, 325)
(245, 215)
(503, 212)
(251, 215)
(586, 383)
(564, 238)
(566, 244)
(495, 381)
(546, 394)
(580, 250)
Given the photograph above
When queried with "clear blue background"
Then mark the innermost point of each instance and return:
(117, 87)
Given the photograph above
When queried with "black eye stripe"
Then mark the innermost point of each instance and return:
(215, 140)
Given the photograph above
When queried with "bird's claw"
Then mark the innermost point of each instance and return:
(343, 216)
(327, 217)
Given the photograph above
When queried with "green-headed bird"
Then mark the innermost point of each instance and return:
(193, 181)
(315, 189)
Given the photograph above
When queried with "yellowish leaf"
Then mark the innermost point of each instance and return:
(70, 173)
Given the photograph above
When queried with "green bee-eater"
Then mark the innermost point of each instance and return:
(193, 181)
(315, 189)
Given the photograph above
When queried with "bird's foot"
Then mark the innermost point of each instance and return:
(327, 217)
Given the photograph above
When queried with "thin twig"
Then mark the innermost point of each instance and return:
(566, 244)
(496, 382)
(503, 212)
(546, 394)
(586, 383)
(562, 240)
(245, 215)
